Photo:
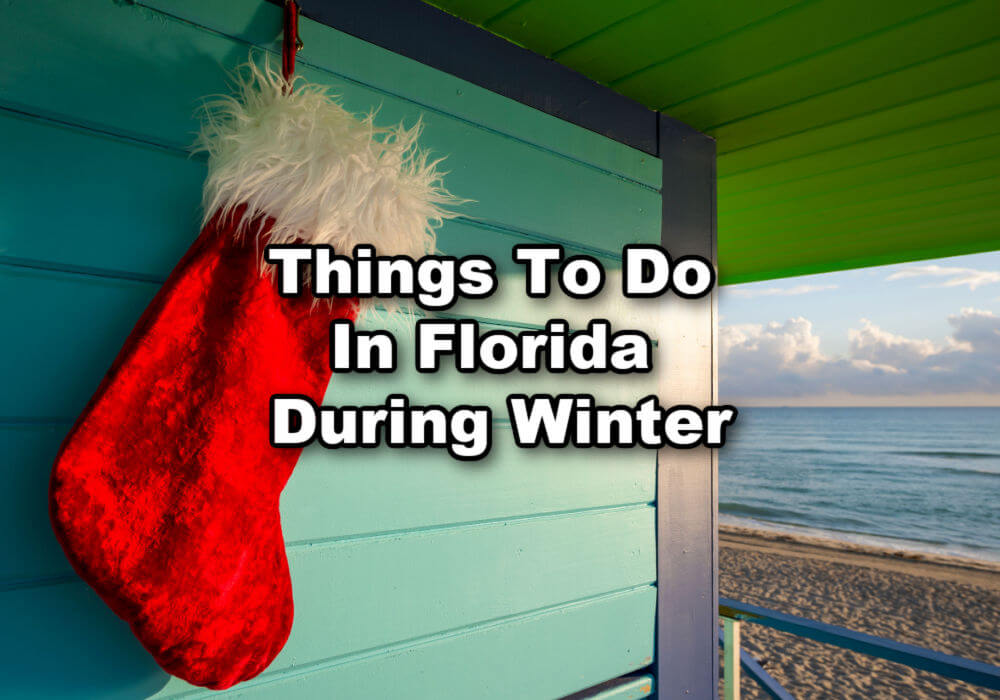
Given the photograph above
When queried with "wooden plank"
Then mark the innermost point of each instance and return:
(633, 687)
(33, 556)
(925, 171)
(533, 657)
(979, 239)
(420, 488)
(953, 71)
(873, 160)
(99, 657)
(815, 80)
(547, 27)
(71, 327)
(148, 228)
(166, 85)
(687, 495)
(497, 67)
(662, 31)
(244, 23)
(785, 37)
(356, 595)
(873, 218)
(912, 233)
(97, 654)
(891, 197)
(349, 493)
(894, 123)
(136, 210)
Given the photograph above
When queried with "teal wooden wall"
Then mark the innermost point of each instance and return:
(528, 575)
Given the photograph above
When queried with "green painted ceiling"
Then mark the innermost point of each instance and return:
(850, 132)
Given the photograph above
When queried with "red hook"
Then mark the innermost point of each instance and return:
(291, 43)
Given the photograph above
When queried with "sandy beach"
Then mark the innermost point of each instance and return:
(949, 604)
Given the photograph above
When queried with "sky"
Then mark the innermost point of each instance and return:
(915, 334)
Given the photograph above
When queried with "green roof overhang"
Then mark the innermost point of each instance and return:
(850, 133)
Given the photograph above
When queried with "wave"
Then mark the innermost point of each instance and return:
(829, 530)
(947, 454)
(788, 489)
(759, 511)
(825, 517)
(933, 546)
(804, 450)
(965, 472)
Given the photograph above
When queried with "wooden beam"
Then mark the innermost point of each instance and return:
(687, 493)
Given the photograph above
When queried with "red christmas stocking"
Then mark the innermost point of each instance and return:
(165, 492)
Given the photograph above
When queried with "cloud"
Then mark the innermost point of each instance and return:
(749, 293)
(784, 360)
(955, 276)
(872, 344)
(979, 331)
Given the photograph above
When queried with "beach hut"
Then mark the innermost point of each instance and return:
(773, 138)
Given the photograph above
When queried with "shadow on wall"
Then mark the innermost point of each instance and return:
(60, 639)
(74, 646)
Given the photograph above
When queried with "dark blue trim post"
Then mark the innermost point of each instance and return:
(424, 33)
(686, 491)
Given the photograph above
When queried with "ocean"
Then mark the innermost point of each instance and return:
(925, 479)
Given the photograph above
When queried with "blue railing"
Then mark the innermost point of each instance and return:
(732, 612)
(731, 675)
